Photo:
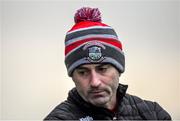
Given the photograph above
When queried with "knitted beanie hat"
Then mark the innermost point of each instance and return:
(90, 41)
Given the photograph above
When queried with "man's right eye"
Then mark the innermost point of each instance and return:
(82, 72)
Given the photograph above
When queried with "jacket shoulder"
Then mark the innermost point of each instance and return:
(64, 111)
(148, 109)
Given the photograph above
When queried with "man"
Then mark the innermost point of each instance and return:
(95, 61)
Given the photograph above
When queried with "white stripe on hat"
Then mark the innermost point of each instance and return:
(92, 27)
(109, 36)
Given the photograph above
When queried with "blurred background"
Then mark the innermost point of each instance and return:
(33, 77)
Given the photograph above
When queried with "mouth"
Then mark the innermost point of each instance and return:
(97, 92)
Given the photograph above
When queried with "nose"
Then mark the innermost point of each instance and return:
(95, 79)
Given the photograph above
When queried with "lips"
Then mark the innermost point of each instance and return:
(97, 92)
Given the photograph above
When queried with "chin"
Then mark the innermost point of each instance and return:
(100, 101)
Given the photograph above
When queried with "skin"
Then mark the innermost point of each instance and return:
(97, 84)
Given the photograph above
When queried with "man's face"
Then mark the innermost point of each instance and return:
(97, 83)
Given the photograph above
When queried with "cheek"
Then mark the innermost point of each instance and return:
(82, 85)
(114, 81)
(113, 75)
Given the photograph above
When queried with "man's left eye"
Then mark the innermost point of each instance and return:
(102, 69)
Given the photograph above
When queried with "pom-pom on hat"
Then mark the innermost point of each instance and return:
(90, 41)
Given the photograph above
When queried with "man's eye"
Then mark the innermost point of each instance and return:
(82, 72)
(102, 69)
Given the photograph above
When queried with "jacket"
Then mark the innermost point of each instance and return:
(129, 108)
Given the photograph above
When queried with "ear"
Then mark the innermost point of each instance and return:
(120, 74)
(72, 77)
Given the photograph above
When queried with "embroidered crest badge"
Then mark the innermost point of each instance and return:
(94, 51)
(95, 54)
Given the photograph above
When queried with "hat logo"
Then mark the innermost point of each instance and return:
(95, 54)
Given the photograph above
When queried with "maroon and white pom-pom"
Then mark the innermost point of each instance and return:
(87, 14)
